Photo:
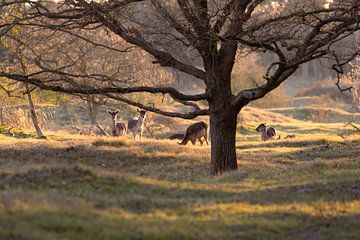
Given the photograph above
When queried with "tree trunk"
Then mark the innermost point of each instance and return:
(33, 113)
(93, 110)
(223, 116)
(223, 139)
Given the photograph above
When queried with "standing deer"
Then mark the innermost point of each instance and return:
(195, 131)
(117, 129)
(267, 133)
(135, 125)
(177, 136)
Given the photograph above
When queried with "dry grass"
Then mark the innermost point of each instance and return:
(77, 187)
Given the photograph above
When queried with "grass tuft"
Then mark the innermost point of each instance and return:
(118, 142)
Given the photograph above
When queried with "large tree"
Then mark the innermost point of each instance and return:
(200, 38)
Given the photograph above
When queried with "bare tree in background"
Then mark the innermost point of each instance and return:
(15, 51)
(200, 38)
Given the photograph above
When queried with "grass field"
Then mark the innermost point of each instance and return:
(72, 187)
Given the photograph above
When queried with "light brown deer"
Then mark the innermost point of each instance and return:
(267, 133)
(135, 125)
(195, 131)
(117, 128)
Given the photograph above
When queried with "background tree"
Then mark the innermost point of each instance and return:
(15, 50)
(200, 38)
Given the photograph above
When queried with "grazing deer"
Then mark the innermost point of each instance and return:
(135, 125)
(117, 129)
(195, 131)
(267, 133)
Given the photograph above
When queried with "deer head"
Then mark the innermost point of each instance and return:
(113, 114)
(142, 113)
(261, 127)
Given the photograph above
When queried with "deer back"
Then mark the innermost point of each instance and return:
(121, 127)
(270, 132)
(132, 123)
(195, 130)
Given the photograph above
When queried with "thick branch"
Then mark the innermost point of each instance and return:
(190, 115)
(191, 17)
(89, 90)
(248, 95)
(162, 58)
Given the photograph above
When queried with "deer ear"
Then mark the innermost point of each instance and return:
(109, 112)
(116, 112)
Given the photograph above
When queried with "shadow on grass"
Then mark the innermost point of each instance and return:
(109, 179)
(156, 161)
(80, 224)
(141, 196)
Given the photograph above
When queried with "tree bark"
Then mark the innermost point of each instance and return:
(93, 110)
(223, 139)
(33, 113)
(223, 116)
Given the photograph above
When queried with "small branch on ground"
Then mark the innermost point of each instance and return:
(354, 126)
(102, 130)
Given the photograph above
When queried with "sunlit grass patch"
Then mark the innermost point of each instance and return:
(15, 132)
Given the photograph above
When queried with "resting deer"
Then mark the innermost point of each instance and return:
(135, 125)
(195, 131)
(267, 133)
(117, 129)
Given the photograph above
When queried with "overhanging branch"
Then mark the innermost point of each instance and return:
(80, 89)
(190, 115)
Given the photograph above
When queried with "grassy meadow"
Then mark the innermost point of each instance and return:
(87, 187)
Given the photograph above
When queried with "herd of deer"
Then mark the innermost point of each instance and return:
(135, 125)
(196, 131)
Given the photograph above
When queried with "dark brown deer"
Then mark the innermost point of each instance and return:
(117, 128)
(177, 136)
(195, 131)
(267, 133)
(135, 125)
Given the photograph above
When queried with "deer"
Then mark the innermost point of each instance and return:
(135, 125)
(177, 136)
(117, 128)
(195, 131)
(267, 133)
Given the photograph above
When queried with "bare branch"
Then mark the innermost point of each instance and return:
(353, 125)
(84, 89)
(190, 115)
